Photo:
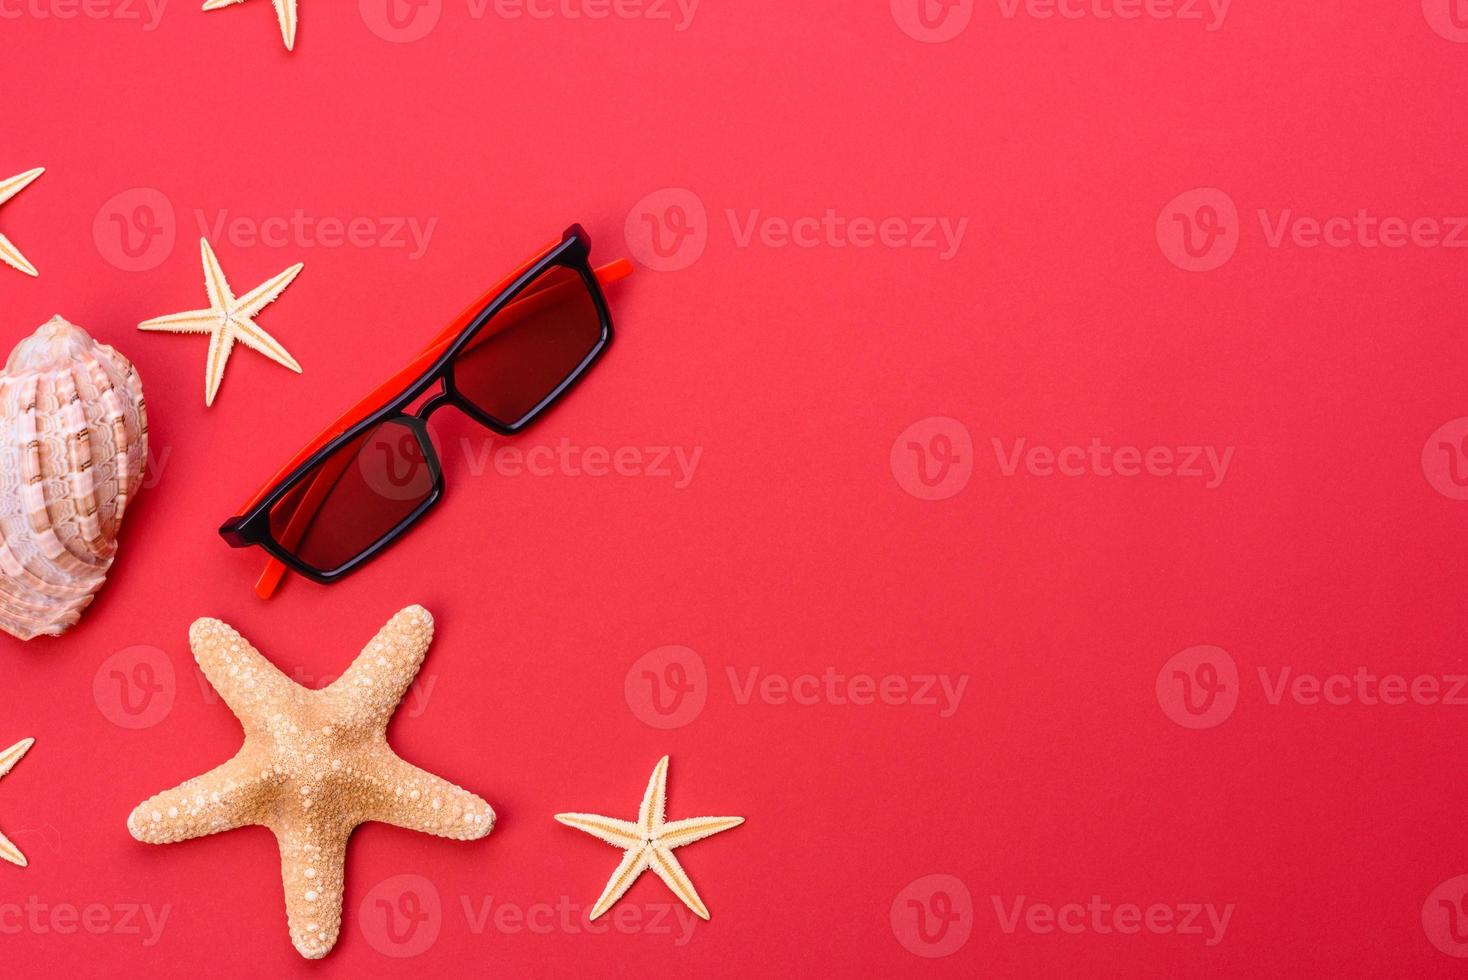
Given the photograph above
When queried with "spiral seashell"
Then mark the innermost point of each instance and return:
(73, 449)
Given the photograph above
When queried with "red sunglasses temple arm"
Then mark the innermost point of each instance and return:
(275, 569)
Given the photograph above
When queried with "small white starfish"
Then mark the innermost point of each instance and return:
(285, 11)
(649, 843)
(229, 319)
(8, 759)
(9, 254)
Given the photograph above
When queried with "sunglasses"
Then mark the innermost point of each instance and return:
(374, 472)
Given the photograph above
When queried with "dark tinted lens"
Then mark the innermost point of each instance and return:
(529, 347)
(350, 500)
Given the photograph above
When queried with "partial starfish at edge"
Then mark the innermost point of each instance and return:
(8, 759)
(285, 12)
(315, 765)
(229, 319)
(649, 843)
(9, 254)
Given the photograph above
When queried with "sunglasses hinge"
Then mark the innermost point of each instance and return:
(234, 533)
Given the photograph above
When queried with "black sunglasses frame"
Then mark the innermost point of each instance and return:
(253, 527)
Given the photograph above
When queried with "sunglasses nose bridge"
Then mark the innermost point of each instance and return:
(434, 404)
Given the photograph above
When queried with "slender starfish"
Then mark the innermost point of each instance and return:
(649, 843)
(315, 765)
(228, 320)
(8, 759)
(285, 11)
(9, 254)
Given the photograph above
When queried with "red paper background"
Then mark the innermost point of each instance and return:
(795, 547)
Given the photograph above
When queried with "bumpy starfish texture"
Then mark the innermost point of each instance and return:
(649, 843)
(229, 319)
(315, 765)
(285, 12)
(8, 759)
(9, 254)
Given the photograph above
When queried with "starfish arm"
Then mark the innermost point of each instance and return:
(413, 799)
(654, 801)
(618, 833)
(215, 284)
(632, 865)
(312, 869)
(250, 334)
(666, 867)
(217, 4)
(11, 853)
(368, 692)
(252, 686)
(285, 10)
(14, 185)
(266, 293)
(11, 256)
(228, 796)
(221, 342)
(194, 321)
(14, 754)
(681, 832)
(8, 759)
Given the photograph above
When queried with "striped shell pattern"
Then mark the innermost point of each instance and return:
(73, 448)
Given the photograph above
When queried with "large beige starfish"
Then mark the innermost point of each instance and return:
(228, 320)
(8, 759)
(315, 765)
(649, 843)
(9, 254)
(285, 12)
